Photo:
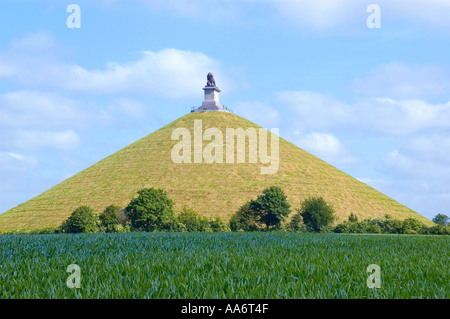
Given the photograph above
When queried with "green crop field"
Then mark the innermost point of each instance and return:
(224, 265)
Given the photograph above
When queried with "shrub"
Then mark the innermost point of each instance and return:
(352, 218)
(109, 220)
(218, 225)
(204, 224)
(392, 226)
(172, 225)
(151, 210)
(411, 226)
(244, 219)
(296, 224)
(82, 220)
(316, 213)
(271, 207)
(193, 222)
(364, 226)
(385, 225)
(190, 219)
(42, 231)
(342, 228)
(373, 228)
(439, 230)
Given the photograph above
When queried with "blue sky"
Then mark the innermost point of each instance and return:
(375, 103)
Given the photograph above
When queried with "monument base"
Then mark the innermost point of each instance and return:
(211, 101)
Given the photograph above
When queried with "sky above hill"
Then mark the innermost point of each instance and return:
(373, 102)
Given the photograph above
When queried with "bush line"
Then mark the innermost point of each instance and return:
(152, 211)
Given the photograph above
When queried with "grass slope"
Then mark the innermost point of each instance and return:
(211, 189)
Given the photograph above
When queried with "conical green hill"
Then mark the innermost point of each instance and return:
(216, 189)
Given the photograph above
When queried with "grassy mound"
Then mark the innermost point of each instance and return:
(216, 189)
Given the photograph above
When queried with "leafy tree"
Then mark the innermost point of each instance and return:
(109, 219)
(271, 207)
(441, 219)
(244, 219)
(82, 220)
(352, 218)
(151, 210)
(316, 213)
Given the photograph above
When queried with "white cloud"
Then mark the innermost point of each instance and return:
(318, 111)
(431, 12)
(313, 15)
(259, 113)
(399, 164)
(129, 108)
(403, 117)
(39, 140)
(321, 143)
(400, 80)
(374, 182)
(36, 42)
(32, 58)
(213, 11)
(168, 73)
(425, 156)
(327, 147)
(429, 148)
(422, 195)
(15, 162)
(320, 15)
(31, 109)
(5, 69)
(332, 14)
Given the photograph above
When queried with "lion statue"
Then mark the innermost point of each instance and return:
(210, 78)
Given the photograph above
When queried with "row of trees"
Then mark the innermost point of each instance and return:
(84, 220)
(153, 210)
(271, 208)
(389, 225)
(315, 215)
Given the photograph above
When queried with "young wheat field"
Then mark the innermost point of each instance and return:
(224, 265)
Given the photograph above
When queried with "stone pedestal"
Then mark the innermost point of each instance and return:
(211, 101)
